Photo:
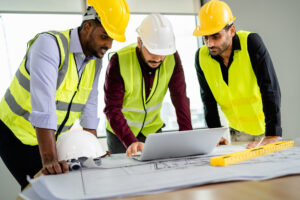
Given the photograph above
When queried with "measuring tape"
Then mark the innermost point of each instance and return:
(239, 156)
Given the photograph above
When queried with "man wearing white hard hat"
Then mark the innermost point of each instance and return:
(57, 83)
(137, 79)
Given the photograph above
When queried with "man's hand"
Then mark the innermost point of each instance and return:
(55, 167)
(263, 141)
(222, 141)
(134, 148)
(47, 147)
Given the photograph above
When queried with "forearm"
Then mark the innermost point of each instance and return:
(272, 118)
(47, 145)
(183, 113)
(181, 102)
(119, 125)
(267, 82)
(210, 107)
(113, 98)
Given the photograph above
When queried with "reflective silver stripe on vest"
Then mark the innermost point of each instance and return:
(139, 124)
(63, 71)
(133, 110)
(23, 80)
(65, 128)
(14, 106)
(152, 108)
(63, 106)
(98, 66)
(148, 109)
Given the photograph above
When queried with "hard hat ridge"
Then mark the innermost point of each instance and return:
(156, 33)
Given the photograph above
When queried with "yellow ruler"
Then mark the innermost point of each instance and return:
(240, 156)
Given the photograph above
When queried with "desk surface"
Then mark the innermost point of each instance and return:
(276, 189)
(279, 188)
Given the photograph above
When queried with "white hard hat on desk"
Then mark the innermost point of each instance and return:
(75, 144)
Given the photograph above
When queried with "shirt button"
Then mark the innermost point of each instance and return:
(150, 73)
(150, 88)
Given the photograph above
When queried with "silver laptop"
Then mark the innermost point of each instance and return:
(180, 143)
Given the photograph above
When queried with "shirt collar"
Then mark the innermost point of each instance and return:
(236, 45)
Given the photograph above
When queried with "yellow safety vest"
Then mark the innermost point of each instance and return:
(71, 93)
(240, 100)
(142, 114)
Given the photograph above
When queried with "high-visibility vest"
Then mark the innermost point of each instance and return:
(240, 100)
(142, 114)
(71, 93)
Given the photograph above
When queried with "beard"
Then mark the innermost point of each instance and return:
(218, 50)
(97, 53)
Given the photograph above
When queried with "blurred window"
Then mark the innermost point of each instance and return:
(17, 29)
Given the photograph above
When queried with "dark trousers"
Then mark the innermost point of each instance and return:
(20, 159)
(115, 145)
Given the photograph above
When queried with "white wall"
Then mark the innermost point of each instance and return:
(78, 6)
(277, 22)
(42, 6)
(164, 6)
(9, 187)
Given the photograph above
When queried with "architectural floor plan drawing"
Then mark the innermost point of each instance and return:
(121, 176)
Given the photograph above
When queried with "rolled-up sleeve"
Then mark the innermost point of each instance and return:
(89, 117)
(42, 64)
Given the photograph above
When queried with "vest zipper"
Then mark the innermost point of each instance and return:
(148, 99)
(69, 107)
(66, 118)
(155, 87)
(143, 106)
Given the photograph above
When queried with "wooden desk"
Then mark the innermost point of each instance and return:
(284, 188)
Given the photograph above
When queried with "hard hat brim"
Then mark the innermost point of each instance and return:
(199, 32)
(161, 52)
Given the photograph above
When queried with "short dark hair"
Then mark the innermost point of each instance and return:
(227, 27)
(94, 21)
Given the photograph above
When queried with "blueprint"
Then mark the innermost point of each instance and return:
(120, 176)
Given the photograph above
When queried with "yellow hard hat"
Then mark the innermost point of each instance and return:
(114, 16)
(213, 17)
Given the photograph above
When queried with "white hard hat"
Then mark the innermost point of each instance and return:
(157, 35)
(78, 143)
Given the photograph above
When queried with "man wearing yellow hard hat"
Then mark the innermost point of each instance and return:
(56, 84)
(137, 79)
(235, 71)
